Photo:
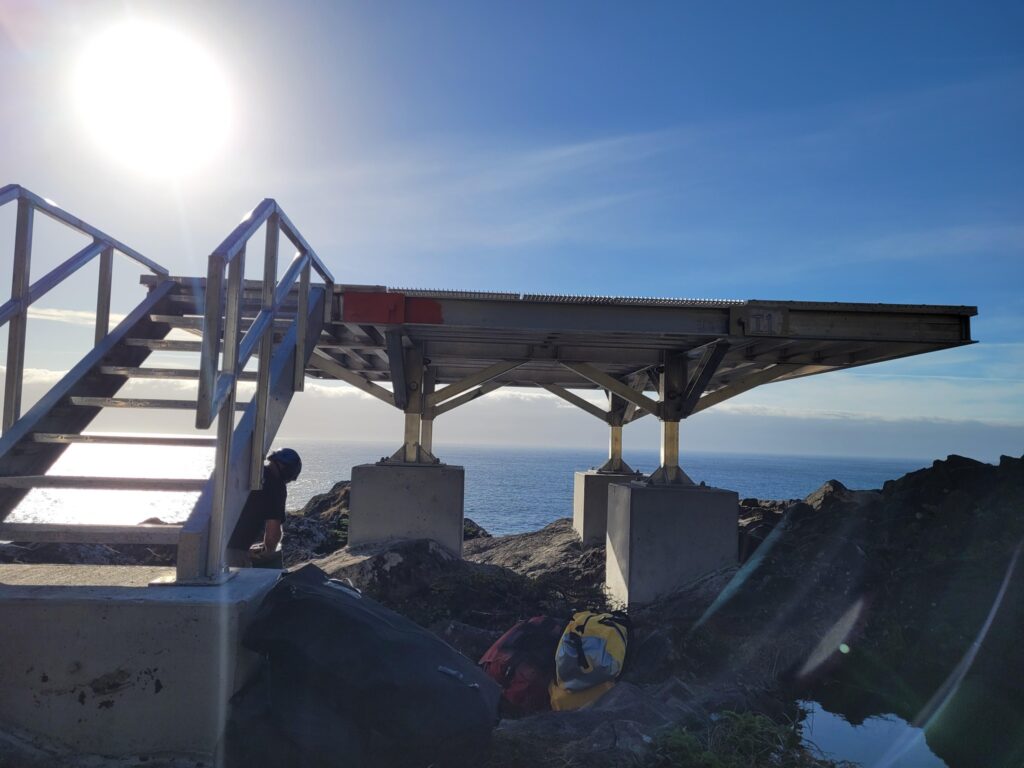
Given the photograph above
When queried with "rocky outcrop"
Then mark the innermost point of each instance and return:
(471, 530)
(758, 519)
(319, 528)
(87, 554)
(553, 551)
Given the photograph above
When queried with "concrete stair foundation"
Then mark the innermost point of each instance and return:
(99, 661)
(661, 537)
(590, 503)
(406, 501)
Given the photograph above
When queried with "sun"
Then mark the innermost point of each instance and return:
(152, 99)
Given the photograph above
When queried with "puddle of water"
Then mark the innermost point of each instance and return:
(885, 741)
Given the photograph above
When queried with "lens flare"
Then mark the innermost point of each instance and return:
(835, 639)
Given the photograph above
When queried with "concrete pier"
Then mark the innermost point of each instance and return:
(99, 661)
(590, 502)
(393, 500)
(661, 537)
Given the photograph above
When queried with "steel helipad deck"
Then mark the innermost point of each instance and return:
(461, 332)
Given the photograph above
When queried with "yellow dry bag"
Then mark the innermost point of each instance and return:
(589, 658)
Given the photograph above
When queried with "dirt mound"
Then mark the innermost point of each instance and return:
(904, 600)
(424, 581)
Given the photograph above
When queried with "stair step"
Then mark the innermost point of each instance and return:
(174, 345)
(191, 285)
(171, 440)
(251, 302)
(179, 321)
(194, 322)
(91, 534)
(142, 402)
(168, 345)
(163, 373)
(175, 484)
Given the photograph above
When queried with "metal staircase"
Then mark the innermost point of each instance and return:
(260, 331)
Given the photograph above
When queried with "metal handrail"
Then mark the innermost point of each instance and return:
(55, 212)
(224, 354)
(24, 293)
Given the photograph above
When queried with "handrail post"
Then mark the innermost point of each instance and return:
(19, 323)
(226, 419)
(210, 352)
(222, 362)
(103, 293)
(259, 441)
(300, 329)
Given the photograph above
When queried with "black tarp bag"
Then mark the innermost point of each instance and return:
(274, 723)
(376, 667)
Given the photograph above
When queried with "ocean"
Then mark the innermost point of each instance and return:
(508, 489)
(511, 490)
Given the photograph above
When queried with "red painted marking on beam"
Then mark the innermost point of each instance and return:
(390, 309)
(426, 311)
(373, 307)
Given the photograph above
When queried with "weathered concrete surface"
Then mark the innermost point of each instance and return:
(406, 501)
(98, 660)
(661, 538)
(590, 503)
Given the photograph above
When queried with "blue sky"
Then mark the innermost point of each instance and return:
(850, 152)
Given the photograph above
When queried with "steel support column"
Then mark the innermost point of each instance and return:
(616, 415)
(413, 451)
(414, 404)
(672, 393)
(427, 418)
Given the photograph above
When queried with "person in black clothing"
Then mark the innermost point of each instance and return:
(259, 528)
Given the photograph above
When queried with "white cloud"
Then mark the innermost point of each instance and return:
(69, 316)
(787, 412)
(851, 395)
(38, 376)
(987, 361)
(339, 390)
(521, 393)
(442, 198)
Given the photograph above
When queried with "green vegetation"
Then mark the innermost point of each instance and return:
(735, 740)
(729, 740)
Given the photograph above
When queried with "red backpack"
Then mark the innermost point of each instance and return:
(522, 662)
